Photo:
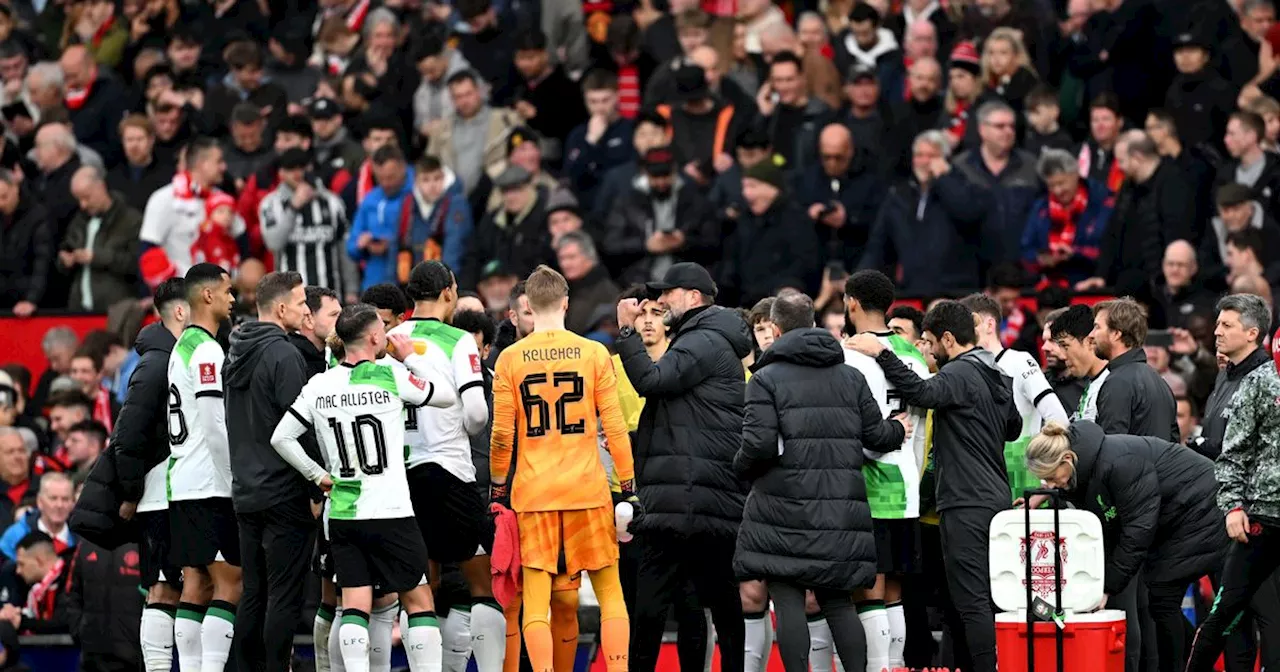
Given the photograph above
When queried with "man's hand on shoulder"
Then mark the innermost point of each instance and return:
(866, 344)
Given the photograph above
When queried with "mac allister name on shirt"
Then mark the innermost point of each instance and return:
(347, 399)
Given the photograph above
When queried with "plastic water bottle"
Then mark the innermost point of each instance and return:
(622, 514)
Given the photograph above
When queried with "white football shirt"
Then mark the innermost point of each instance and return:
(199, 460)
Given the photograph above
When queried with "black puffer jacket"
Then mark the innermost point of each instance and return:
(807, 520)
(1156, 501)
(101, 602)
(141, 438)
(691, 426)
(1136, 400)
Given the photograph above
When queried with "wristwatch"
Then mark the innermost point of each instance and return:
(625, 332)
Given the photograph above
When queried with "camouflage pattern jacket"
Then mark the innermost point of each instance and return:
(1248, 470)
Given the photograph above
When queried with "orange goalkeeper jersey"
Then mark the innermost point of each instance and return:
(553, 389)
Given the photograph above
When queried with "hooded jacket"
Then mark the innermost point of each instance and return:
(808, 418)
(264, 374)
(381, 214)
(447, 222)
(1248, 470)
(141, 438)
(1136, 400)
(974, 415)
(1155, 501)
(691, 426)
(1213, 422)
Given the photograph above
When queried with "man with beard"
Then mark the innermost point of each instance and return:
(1135, 399)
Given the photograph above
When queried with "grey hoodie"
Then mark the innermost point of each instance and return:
(431, 100)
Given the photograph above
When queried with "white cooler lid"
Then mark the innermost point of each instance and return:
(1083, 562)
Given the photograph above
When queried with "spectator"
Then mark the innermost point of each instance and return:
(950, 220)
(1241, 52)
(471, 142)
(1250, 165)
(1135, 399)
(99, 598)
(866, 43)
(633, 66)
(1198, 162)
(524, 149)
(55, 157)
(48, 90)
(752, 268)
(378, 131)
(173, 216)
(100, 250)
(865, 112)
(141, 173)
(294, 132)
(436, 62)
(1199, 98)
(651, 131)
(54, 502)
(14, 63)
(288, 48)
(708, 58)
(337, 155)
(546, 88)
(783, 408)
(87, 371)
(842, 194)
(703, 129)
(1237, 211)
(601, 143)
(589, 285)
(247, 150)
(1017, 328)
(59, 346)
(1152, 210)
(1097, 155)
(15, 469)
(753, 146)
(690, 27)
(661, 221)
(795, 118)
(1245, 255)
(515, 233)
(966, 94)
(374, 240)
(918, 113)
(563, 214)
(443, 226)
(1188, 421)
(490, 48)
(1064, 230)
(1008, 174)
(757, 17)
(27, 244)
(305, 226)
(245, 83)
(1043, 128)
(1006, 67)
(1178, 292)
(688, 433)
(95, 101)
(86, 440)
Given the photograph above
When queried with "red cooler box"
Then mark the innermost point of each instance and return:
(1093, 641)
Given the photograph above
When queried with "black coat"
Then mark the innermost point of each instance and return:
(1266, 190)
(96, 516)
(1157, 503)
(141, 438)
(908, 120)
(1200, 104)
(770, 251)
(520, 246)
(27, 245)
(97, 122)
(559, 103)
(1136, 400)
(860, 190)
(264, 375)
(808, 417)
(102, 606)
(1147, 218)
(974, 417)
(630, 223)
(1213, 422)
(138, 183)
(691, 425)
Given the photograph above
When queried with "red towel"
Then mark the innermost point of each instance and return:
(504, 562)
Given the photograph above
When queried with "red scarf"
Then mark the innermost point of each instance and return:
(185, 187)
(102, 408)
(959, 123)
(96, 40)
(355, 18)
(76, 98)
(1114, 176)
(40, 598)
(1011, 327)
(1063, 219)
(628, 91)
(364, 181)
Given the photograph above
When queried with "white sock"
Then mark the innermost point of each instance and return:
(897, 634)
(186, 637)
(456, 637)
(353, 634)
(758, 641)
(336, 664)
(156, 635)
(422, 642)
(382, 623)
(488, 635)
(875, 622)
(216, 633)
(320, 636)
(820, 651)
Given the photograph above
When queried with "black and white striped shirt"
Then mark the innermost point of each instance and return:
(310, 239)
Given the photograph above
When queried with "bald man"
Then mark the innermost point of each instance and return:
(707, 58)
(918, 113)
(99, 253)
(95, 102)
(841, 193)
(922, 41)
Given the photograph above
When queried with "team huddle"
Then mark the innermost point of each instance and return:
(384, 433)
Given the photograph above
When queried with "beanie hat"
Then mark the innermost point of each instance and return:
(768, 171)
(155, 267)
(562, 199)
(218, 199)
(965, 57)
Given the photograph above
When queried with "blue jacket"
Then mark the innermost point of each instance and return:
(1011, 196)
(380, 215)
(1091, 225)
(586, 164)
(448, 220)
(15, 532)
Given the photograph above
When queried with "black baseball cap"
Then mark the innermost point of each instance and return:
(294, 158)
(861, 71)
(684, 275)
(324, 108)
(1192, 38)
